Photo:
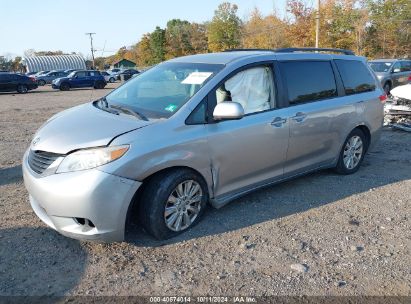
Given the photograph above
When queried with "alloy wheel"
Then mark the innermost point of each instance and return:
(353, 151)
(183, 205)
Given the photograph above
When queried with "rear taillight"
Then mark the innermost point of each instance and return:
(383, 98)
(32, 79)
(409, 78)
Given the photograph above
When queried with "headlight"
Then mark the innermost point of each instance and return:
(91, 158)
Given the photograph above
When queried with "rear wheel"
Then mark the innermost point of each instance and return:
(352, 153)
(64, 86)
(111, 80)
(99, 85)
(22, 88)
(172, 202)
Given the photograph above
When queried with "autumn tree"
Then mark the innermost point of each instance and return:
(300, 30)
(198, 38)
(224, 31)
(264, 32)
(178, 38)
(158, 45)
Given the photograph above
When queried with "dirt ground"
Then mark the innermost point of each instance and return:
(322, 234)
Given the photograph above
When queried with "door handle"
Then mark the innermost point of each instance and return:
(299, 117)
(278, 122)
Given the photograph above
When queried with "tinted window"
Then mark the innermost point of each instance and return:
(308, 80)
(355, 76)
(405, 66)
(382, 67)
(81, 74)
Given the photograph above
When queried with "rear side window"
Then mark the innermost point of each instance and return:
(308, 80)
(405, 66)
(355, 76)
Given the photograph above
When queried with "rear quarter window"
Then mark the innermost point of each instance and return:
(308, 80)
(356, 77)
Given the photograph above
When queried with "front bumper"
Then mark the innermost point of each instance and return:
(60, 200)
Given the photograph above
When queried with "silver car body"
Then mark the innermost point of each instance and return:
(234, 157)
(395, 75)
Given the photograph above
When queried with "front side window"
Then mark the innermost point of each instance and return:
(81, 74)
(355, 76)
(308, 80)
(252, 88)
(405, 66)
(164, 89)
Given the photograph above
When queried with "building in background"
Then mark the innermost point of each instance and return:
(124, 64)
(55, 62)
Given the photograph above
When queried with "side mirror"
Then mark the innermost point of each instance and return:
(228, 110)
(396, 70)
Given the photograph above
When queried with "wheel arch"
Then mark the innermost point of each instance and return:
(135, 201)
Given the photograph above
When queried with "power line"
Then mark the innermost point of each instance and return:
(91, 44)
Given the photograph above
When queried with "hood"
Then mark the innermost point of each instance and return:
(84, 126)
(381, 74)
(403, 91)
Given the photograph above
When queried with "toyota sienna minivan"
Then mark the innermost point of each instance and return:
(198, 130)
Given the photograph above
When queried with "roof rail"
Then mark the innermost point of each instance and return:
(292, 50)
(245, 50)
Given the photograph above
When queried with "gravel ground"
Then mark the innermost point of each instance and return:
(322, 234)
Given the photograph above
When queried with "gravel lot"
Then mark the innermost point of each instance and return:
(322, 234)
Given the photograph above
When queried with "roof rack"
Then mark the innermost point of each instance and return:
(249, 50)
(292, 50)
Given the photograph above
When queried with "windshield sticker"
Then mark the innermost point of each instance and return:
(171, 107)
(196, 78)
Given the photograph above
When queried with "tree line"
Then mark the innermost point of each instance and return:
(372, 28)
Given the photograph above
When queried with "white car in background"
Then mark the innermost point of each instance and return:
(109, 77)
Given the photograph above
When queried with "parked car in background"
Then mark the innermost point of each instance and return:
(10, 82)
(127, 74)
(198, 130)
(391, 72)
(30, 73)
(70, 71)
(49, 77)
(39, 73)
(109, 77)
(114, 71)
(80, 79)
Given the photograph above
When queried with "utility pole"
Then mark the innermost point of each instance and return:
(91, 43)
(317, 25)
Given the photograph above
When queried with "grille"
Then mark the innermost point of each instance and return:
(39, 161)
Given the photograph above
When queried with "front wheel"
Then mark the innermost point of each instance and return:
(387, 88)
(111, 80)
(64, 86)
(172, 202)
(42, 83)
(352, 153)
(22, 89)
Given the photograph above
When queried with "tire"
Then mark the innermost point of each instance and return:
(111, 80)
(350, 157)
(22, 89)
(99, 85)
(64, 86)
(41, 83)
(387, 88)
(161, 192)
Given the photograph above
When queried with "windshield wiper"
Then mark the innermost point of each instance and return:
(104, 106)
(129, 111)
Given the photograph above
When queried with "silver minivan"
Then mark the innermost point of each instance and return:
(199, 130)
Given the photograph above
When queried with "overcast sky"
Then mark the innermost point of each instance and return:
(50, 25)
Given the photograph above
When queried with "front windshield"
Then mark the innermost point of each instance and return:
(164, 89)
(380, 66)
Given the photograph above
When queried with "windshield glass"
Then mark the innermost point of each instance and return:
(164, 89)
(380, 66)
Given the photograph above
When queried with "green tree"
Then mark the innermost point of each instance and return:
(178, 38)
(158, 45)
(224, 31)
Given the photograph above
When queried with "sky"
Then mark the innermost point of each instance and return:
(51, 25)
